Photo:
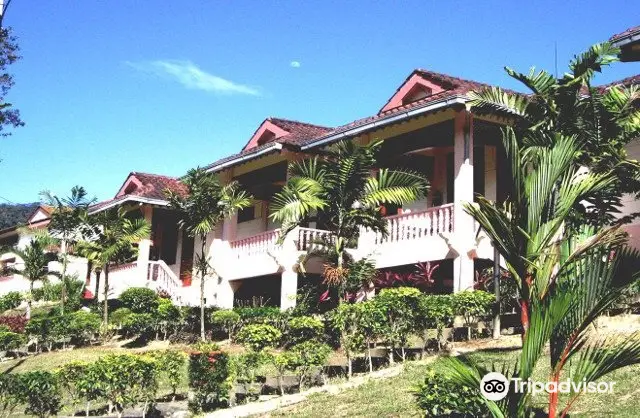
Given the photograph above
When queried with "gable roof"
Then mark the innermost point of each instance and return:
(304, 136)
(629, 81)
(142, 188)
(284, 131)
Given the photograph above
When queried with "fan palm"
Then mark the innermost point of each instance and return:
(339, 186)
(35, 263)
(66, 222)
(602, 121)
(111, 234)
(206, 205)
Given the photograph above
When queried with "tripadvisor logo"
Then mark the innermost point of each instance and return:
(495, 386)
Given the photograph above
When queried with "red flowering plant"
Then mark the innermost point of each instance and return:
(209, 376)
(15, 323)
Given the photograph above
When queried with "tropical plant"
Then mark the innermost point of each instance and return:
(207, 203)
(259, 336)
(345, 318)
(399, 307)
(11, 340)
(565, 125)
(472, 305)
(12, 393)
(140, 300)
(308, 356)
(171, 364)
(439, 396)
(66, 223)
(111, 234)
(35, 264)
(340, 190)
(433, 312)
(228, 320)
(209, 376)
(42, 393)
(602, 120)
(169, 317)
(10, 300)
(303, 328)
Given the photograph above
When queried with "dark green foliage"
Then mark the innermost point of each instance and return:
(440, 397)
(78, 327)
(473, 305)
(13, 215)
(308, 356)
(259, 336)
(171, 365)
(434, 312)
(119, 316)
(304, 328)
(227, 320)
(399, 307)
(12, 393)
(11, 340)
(10, 300)
(168, 317)
(209, 372)
(139, 324)
(140, 300)
(42, 393)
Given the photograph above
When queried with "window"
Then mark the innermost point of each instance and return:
(247, 214)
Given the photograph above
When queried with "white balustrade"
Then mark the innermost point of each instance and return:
(311, 236)
(417, 225)
(254, 245)
(165, 280)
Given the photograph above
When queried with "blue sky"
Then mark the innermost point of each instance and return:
(109, 87)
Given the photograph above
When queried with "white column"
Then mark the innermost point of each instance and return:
(463, 271)
(144, 246)
(288, 289)
(490, 178)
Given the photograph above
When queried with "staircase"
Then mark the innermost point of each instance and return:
(165, 280)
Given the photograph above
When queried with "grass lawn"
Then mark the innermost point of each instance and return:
(393, 397)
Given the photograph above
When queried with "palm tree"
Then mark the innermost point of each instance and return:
(207, 203)
(563, 319)
(66, 222)
(35, 264)
(565, 125)
(339, 186)
(111, 234)
(601, 120)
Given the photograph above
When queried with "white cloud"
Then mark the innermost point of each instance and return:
(295, 64)
(192, 77)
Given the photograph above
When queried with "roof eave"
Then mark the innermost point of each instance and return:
(136, 199)
(625, 40)
(398, 117)
(276, 146)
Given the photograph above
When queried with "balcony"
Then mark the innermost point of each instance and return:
(412, 237)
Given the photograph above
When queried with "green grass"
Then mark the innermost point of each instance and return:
(393, 397)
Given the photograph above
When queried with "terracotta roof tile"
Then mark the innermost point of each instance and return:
(629, 81)
(154, 185)
(628, 32)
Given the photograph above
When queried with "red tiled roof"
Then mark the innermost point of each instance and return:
(626, 33)
(629, 81)
(152, 186)
(304, 133)
(298, 131)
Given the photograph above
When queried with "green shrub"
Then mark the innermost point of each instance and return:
(83, 326)
(42, 395)
(227, 320)
(440, 397)
(399, 306)
(119, 316)
(125, 380)
(304, 328)
(140, 324)
(308, 356)
(209, 377)
(5, 328)
(74, 382)
(171, 365)
(434, 312)
(473, 306)
(11, 340)
(10, 300)
(140, 300)
(12, 393)
(346, 319)
(263, 315)
(169, 317)
(259, 336)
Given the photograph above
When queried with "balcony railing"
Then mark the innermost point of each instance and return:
(261, 243)
(417, 225)
(308, 237)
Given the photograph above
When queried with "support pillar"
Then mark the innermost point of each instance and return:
(144, 246)
(288, 289)
(463, 269)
